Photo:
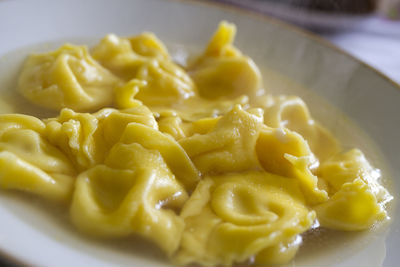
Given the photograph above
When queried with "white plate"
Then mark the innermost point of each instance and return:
(31, 234)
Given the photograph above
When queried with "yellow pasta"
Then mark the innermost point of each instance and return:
(172, 126)
(353, 207)
(125, 56)
(358, 199)
(67, 78)
(289, 155)
(173, 154)
(130, 194)
(346, 167)
(86, 138)
(222, 71)
(28, 162)
(230, 146)
(114, 122)
(198, 159)
(156, 80)
(165, 83)
(292, 113)
(76, 135)
(232, 217)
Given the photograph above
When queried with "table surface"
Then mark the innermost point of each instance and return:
(375, 41)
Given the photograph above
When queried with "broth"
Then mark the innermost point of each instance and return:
(319, 245)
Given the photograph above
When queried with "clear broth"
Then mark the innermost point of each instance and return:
(319, 245)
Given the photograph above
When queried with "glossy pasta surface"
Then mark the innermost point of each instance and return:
(198, 159)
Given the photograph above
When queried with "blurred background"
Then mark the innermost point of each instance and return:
(367, 29)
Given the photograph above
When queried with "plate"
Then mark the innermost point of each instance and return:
(31, 234)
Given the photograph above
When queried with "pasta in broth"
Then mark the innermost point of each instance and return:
(197, 159)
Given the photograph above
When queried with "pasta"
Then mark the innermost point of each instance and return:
(222, 71)
(197, 159)
(68, 77)
(29, 162)
(233, 217)
(124, 197)
(144, 59)
(230, 146)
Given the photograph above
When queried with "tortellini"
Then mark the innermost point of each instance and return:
(289, 155)
(222, 71)
(347, 166)
(125, 56)
(196, 158)
(155, 79)
(174, 155)
(358, 199)
(67, 78)
(76, 134)
(165, 83)
(291, 112)
(29, 162)
(134, 192)
(230, 146)
(85, 137)
(114, 122)
(233, 217)
(353, 207)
